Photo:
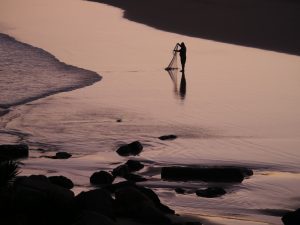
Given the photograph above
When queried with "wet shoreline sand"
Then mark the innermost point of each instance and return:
(268, 24)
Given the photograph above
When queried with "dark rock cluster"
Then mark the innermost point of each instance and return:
(41, 200)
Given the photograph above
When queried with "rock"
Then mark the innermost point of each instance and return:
(207, 174)
(120, 171)
(62, 155)
(9, 152)
(61, 181)
(133, 148)
(155, 199)
(41, 202)
(39, 177)
(179, 190)
(112, 188)
(132, 203)
(291, 218)
(93, 218)
(134, 165)
(211, 192)
(101, 178)
(168, 137)
(134, 177)
(98, 200)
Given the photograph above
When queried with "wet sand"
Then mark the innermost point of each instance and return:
(268, 24)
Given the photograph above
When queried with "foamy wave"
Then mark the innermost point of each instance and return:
(28, 73)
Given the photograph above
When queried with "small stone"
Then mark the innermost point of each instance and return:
(62, 155)
(211, 192)
(134, 165)
(168, 137)
(133, 148)
(120, 171)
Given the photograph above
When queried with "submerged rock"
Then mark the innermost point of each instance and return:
(211, 192)
(101, 178)
(168, 137)
(207, 174)
(61, 181)
(292, 218)
(133, 148)
(62, 155)
(9, 152)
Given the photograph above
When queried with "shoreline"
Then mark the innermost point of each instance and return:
(94, 77)
(268, 25)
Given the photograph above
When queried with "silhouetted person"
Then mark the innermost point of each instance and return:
(182, 53)
(182, 89)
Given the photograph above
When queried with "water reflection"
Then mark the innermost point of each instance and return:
(182, 87)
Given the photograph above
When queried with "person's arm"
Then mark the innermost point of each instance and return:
(176, 47)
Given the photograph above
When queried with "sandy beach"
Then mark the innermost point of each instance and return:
(269, 24)
(239, 108)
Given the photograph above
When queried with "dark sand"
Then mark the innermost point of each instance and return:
(265, 24)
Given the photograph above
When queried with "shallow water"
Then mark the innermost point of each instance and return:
(240, 108)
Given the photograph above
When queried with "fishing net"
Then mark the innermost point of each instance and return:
(173, 76)
(173, 64)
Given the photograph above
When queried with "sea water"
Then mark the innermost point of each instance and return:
(239, 108)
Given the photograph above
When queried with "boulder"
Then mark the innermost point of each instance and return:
(112, 188)
(155, 199)
(134, 165)
(39, 177)
(93, 218)
(41, 202)
(61, 181)
(168, 137)
(101, 178)
(133, 148)
(98, 200)
(17, 151)
(211, 192)
(291, 218)
(132, 203)
(207, 174)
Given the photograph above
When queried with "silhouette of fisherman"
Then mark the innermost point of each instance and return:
(182, 53)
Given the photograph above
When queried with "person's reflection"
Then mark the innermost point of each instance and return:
(182, 89)
(173, 76)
